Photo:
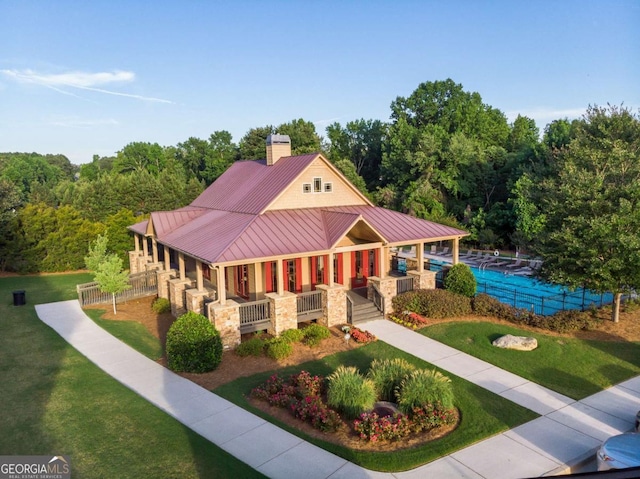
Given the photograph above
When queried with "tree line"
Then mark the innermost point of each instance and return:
(444, 155)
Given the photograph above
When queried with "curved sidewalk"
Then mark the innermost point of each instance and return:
(566, 433)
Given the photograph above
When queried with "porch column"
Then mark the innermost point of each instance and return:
(420, 256)
(154, 245)
(136, 239)
(222, 288)
(199, 278)
(181, 265)
(167, 258)
(280, 276)
(331, 270)
(456, 250)
(383, 261)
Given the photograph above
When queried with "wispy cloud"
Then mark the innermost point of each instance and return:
(80, 80)
(324, 123)
(543, 116)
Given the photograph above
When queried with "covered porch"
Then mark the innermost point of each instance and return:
(278, 293)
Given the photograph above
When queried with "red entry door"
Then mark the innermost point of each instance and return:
(363, 264)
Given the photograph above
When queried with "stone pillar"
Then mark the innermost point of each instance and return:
(163, 282)
(154, 267)
(195, 300)
(334, 305)
(424, 280)
(284, 312)
(226, 319)
(176, 295)
(386, 286)
(134, 261)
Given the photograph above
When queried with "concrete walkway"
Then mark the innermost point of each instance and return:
(566, 433)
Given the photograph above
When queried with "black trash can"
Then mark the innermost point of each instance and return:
(19, 297)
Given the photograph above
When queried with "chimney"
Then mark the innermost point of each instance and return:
(278, 146)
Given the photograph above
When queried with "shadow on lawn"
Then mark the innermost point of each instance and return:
(31, 356)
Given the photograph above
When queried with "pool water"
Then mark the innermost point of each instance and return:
(531, 294)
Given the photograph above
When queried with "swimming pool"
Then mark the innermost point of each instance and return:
(528, 293)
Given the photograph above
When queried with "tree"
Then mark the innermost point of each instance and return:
(349, 171)
(303, 135)
(446, 104)
(223, 152)
(140, 156)
(588, 235)
(523, 135)
(97, 253)
(111, 278)
(253, 144)
(360, 142)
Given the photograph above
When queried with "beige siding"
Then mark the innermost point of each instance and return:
(341, 192)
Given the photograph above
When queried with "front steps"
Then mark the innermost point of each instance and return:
(363, 309)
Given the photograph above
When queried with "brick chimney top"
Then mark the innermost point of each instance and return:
(278, 146)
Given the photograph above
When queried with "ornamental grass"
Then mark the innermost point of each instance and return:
(349, 392)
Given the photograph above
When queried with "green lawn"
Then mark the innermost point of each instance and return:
(129, 332)
(483, 413)
(54, 401)
(575, 368)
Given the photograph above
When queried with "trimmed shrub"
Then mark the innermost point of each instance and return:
(561, 322)
(387, 374)
(349, 392)
(251, 347)
(292, 335)
(460, 280)
(315, 333)
(432, 303)
(278, 348)
(485, 305)
(193, 344)
(423, 387)
(161, 305)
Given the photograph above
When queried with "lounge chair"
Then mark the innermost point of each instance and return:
(528, 270)
(467, 255)
(496, 264)
(444, 251)
(487, 258)
(517, 264)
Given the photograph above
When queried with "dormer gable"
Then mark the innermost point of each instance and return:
(318, 185)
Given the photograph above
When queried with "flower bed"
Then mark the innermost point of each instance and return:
(303, 396)
(364, 337)
(409, 319)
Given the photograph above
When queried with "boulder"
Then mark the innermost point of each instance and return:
(521, 343)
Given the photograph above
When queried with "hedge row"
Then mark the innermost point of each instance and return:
(439, 303)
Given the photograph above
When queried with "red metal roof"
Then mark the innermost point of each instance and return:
(250, 186)
(228, 221)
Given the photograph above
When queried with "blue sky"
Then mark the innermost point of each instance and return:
(84, 78)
